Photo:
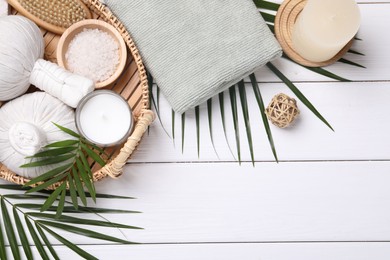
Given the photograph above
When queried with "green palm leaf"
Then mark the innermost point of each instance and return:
(173, 126)
(260, 103)
(47, 242)
(351, 63)
(3, 255)
(79, 221)
(266, 5)
(268, 17)
(22, 235)
(49, 174)
(86, 178)
(73, 193)
(68, 131)
(183, 127)
(222, 110)
(233, 103)
(64, 143)
(61, 202)
(79, 187)
(197, 129)
(53, 197)
(356, 52)
(35, 206)
(54, 152)
(156, 104)
(49, 161)
(37, 241)
(25, 196)
(210, 118)
(38, 223)
(9, 230)
(70, 245)
(46, 184)
(245, 114)
(82, 232)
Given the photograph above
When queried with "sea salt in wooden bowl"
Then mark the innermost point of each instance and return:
(80, 27)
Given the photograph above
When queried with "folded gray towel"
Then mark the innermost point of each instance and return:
(197, 48)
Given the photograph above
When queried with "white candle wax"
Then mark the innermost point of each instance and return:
(104, 118)
(324, 27)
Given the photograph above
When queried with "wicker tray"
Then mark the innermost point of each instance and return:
(132, 85)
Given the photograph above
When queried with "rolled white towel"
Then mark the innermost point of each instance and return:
(68, 87)
(26, 138)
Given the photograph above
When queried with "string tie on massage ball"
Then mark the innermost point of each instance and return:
(21, 64)
(282, 110)
(26, 138)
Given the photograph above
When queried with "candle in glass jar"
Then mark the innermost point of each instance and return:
(324, 27)
(104, 118)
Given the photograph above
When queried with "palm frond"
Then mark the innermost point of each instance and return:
(39, 224)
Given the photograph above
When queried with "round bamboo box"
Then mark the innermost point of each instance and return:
(132, 85)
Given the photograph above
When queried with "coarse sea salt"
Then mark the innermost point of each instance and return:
(94, 54)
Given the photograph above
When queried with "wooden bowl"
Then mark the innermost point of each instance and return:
(78, 27)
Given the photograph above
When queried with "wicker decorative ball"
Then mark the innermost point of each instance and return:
(282, 110)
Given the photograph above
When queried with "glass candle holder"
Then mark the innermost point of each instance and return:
(104, 118)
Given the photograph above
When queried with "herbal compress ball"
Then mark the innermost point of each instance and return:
(21, 45)
(21, 64)
(26, 125)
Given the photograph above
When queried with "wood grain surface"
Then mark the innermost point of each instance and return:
(328, 198)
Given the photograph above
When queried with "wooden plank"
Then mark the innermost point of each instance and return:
(357, 111)
(323, 201)
(225, 202)
(318, 251)
(375, 20)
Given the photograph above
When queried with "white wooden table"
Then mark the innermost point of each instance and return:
(328, 198)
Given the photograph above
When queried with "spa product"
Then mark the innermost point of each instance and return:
(93, 54)
(26, 125)
(21, 64)
(323, 28)
(53, 15)
(103, 117)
